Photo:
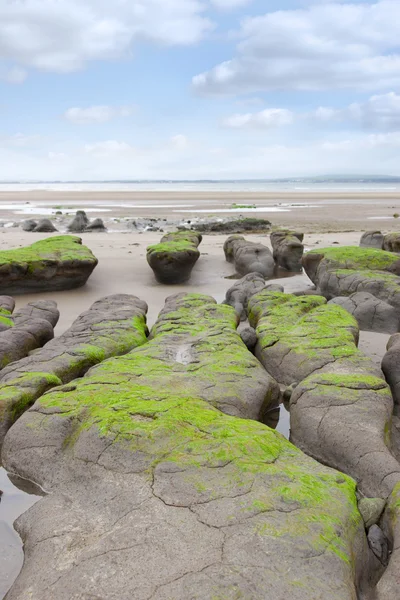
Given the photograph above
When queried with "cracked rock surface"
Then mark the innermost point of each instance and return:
(157, 493)
(343, 271)
(112, 326)
(341, 407)
(173, 259)
(288, 249)
(249, 257)
(371, 313)
(56, 263)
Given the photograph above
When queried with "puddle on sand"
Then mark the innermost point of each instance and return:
(14, 502)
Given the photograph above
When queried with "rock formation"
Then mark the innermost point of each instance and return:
(112, 326)
(7, 305)
(391, 367)
(96, 225)
(241, 292)
(288, 249)
(391, 242)
(345, 270)
(249, 257)
(372, 239)
(388, 586)
(371, 313)
(341, 407)
(147, 470)
(79, 223)
(56, 263)
(29, 225)
(44, 226)
(173, 259)
(240, 225)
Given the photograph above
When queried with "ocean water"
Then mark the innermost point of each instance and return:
(203, 186)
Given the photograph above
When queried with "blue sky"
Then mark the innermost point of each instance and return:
(191, 89)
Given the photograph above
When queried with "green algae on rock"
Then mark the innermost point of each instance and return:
(159, 471)
(341, 407)
(173, 259)
(55, 263)
(112, 326)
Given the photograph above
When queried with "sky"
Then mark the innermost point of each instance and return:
(198, 89)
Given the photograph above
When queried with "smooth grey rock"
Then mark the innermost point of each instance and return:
(96, 225)
(44, 226)
(173, 259)
(388, 585)
(379, 545)
(391, 242)
(249, 257)
(371, 510)
(79, 223)
(371, 313)
(241, 292)
(288, 249)
(29, 225)
(372, 239)
(391, 367)
(249, 338)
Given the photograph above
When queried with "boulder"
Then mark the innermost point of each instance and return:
(146, 468)
(79, 223)
(341, 406)
(173, 259)
(249, 257)
(112, 326)
(372, 239)
(241, 292)
(32, 327)
(44, 226)
(391, 242)
(346, 270)
(249, 338)
(29, 225)
(371, 313)
(239, 225)
(96, 225)
(391, 367)
(56, 263)
(371, 510)
(388, 586)
(288, 249)
(7, 305)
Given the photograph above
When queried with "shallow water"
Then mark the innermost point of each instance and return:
(14, 502)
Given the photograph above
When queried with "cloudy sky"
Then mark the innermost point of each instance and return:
(192, 89)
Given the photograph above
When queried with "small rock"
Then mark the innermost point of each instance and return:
(371, 510)
(249, 338)
(379, 545)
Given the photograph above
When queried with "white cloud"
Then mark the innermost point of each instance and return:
(179, 141)
(328, 46)
(18, 140)
(63, 35)
(96, 114)
(378, 112)
(108, 148)
(230, 4)
(271, 117)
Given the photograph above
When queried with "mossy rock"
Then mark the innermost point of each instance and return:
(201, 504)
(56, 263)
(173, 259)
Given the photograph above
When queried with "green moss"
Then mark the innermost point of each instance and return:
(6, 321)
(180, 241)
(63, 248)
(352, 257)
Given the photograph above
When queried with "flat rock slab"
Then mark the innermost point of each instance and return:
(54, 264)
(249, 257)
(341, 407)
(158, 494)
(371, 313)
(112, 326)
(173, 259)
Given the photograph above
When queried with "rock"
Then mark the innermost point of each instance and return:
(379, 544)
(31, 327)
(44, 226)
(288, 249)
(56, 263)
(372, 239)
(145, 469)
(240, 293)
(79, 223)
(29, 225)
(112, 326)
(173, 259)
(371, 313)
(371, 510)
(7, 305)
(391, 367)
(96, 225)
(249, 338)
(341, 407)
(344, 271)
(249, 257)
(240, 225)
(388, 585)
(391, 242)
